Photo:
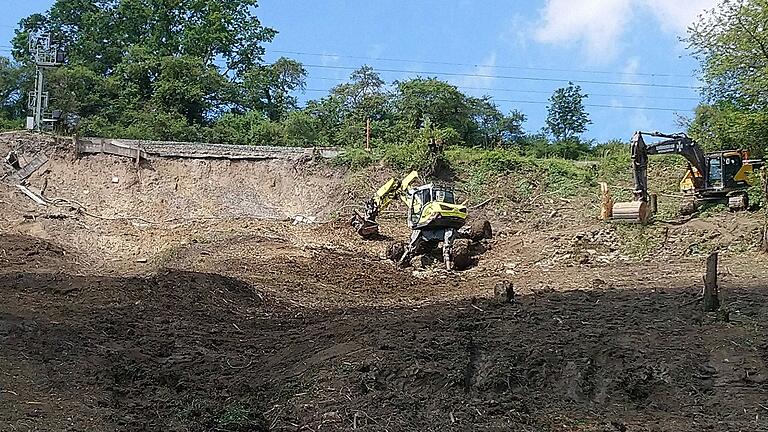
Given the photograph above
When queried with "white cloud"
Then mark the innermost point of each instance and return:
(594, 24)
(677, 16)
(629, 74)
(482, 76)
(516, 33)
(598, 26)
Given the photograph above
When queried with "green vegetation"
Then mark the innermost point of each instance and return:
(240, 417)
(639, 241)
(730, 43)
(194, 71)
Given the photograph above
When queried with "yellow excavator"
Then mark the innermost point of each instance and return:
(719, 177)
(433, 215)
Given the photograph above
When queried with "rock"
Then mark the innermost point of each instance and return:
(395, 251)
(504, 292)
(421, 262)
(462, 258)
(480, 229)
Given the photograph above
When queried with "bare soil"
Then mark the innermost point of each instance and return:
(218, 319)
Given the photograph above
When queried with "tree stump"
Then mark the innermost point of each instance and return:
(653, 201)
(504, 292)
(711, 292)
(606, 208)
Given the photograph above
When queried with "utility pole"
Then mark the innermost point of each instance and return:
(46, 55)
(368, 134)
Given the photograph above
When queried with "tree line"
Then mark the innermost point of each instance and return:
(194, 70)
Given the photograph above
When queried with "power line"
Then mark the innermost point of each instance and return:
(586, 105)
(538, 91)
(512, 77)
(648, 74)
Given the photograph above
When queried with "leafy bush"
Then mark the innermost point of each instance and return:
(356, 158)
(6, 124)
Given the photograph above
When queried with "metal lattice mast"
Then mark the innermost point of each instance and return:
(46, 55)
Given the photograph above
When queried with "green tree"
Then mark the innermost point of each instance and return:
(731, 42)
(494, 129)
(182, 61)
(14, 84)
(364, 97)
(99, 33)
(428, 99)
(723, 125)
(566, 116)
(268, 88)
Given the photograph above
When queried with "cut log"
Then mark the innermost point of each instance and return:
(711, 292)
(632, 211)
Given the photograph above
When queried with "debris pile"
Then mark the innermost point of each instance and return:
(596, 246)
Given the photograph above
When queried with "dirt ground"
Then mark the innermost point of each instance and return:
(193, 303)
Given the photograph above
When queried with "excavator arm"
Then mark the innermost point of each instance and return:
(679, 144)
(393, 189)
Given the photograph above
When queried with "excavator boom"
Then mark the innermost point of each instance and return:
(679, 144)
(392, 189)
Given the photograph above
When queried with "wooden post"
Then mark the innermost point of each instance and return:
(764, 180)
(606, 207)
(654, 202)
(368, 134)
(711, 292)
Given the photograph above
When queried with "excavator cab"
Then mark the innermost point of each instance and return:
(435, 206)
(715, 174)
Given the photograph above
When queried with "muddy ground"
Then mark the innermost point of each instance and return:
(219, 320)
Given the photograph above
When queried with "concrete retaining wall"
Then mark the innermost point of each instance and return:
(145, 149)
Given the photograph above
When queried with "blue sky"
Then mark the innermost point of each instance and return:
(626, 54)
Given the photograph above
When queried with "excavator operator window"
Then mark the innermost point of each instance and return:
(715, 175)
(444, 195)
(419, 198)
(732, 166)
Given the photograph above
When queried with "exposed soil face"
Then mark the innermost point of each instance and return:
(224, 322)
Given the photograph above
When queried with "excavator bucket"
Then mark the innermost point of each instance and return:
(626, 211)
(364, 227)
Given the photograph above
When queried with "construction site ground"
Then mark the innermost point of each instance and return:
(186, 295)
